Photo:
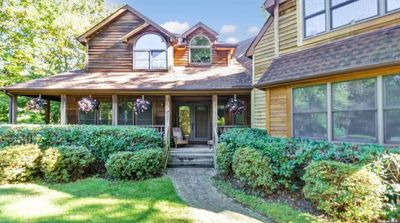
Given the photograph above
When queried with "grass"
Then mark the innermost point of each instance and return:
(278, 212)
(93, 200)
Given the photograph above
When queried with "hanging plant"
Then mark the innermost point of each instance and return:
(88, 104)
(141, 105)
(36, 104)
(235, 106)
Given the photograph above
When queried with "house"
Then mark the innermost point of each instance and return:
(328, 69)
(188, 78)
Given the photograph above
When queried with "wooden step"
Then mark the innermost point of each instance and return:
(191, 157)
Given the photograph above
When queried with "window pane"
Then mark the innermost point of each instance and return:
(141, 60)
(356, 126)
(393, 5)
(391, 91)
(221, 115)
(145, 118)
(105, 117)
(200, 41)
(125, 113)
(310, 99)
(310, 125)
(352, 95)
(158, 59)
(238, 119)
(87, 118)
(150, 42)
(354, 12)
(392, 126)
(313, 6)
(200, 55)
(315, 25)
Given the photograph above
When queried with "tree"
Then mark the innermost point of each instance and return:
(38, 39)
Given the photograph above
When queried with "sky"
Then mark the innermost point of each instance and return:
(234, 20)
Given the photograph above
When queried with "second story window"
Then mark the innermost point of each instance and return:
(325, 15)
(150, 52)
(200, 50)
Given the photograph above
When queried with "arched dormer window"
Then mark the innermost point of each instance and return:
(150, 52)
(200, 50)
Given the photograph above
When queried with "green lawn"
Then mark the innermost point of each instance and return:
(278, 212)
(92, 200)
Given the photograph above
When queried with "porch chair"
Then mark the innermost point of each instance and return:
(178, 137)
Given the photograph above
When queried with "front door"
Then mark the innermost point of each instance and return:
(194, 119)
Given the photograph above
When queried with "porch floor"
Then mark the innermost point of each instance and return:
(191, 156)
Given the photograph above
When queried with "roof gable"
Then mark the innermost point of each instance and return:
(197, 26)
(86, 36)
(267, 24)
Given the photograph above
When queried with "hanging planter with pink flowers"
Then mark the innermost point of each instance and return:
(88, 104)
(141, 105)
(36, 104)
(236, 106)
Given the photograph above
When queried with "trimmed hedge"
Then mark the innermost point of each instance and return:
(139, 165)
(102, 141)
(19, 163)
(66, 163)
(345, 192)
(224, 159)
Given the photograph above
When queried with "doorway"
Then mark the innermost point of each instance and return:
(194, 119)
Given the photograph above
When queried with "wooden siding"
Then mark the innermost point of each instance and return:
(287, 26)
(107, 51)
(263, 56)
(278, 106)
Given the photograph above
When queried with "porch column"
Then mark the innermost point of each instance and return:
(63, 109)
(114, 110)
(215, 125)
(167, 125)
(47, 112)
(12, 119)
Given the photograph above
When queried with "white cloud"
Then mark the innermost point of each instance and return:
(253, 30)
(176, 27)
(232, 40)
(227, 29)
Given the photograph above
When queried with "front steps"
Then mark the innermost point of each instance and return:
(191, 156)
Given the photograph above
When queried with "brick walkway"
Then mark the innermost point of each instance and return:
(208, 204)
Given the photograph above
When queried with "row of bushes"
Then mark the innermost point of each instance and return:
(24, 163)
(102, 141)
(346, 181)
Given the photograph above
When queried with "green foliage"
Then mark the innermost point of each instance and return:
(19, 163)
(66, 163)
(345, 192)
(137, 165)
(224, 159)
(251, 167)
(100, 140)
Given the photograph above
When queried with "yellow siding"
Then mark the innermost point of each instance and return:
(287, 26)
(278, 116)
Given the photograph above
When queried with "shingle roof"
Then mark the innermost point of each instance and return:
(240, 54)
(367, 50)
(182, 79)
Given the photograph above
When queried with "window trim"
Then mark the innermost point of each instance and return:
(200, 47)
(149, 51)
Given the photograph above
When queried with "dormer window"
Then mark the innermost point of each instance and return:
(150, 52)
(200, 50)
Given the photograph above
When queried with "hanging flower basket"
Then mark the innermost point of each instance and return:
(36, 104)
(235, 106)
(141, 105)
(88, 104)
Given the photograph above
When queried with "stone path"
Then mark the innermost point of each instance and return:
(208, 205)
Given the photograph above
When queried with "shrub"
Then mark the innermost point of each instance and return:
(100, 140)
(224, 159)
(66, 163)
(19, 163)
(139, 165)
(251, 167)
(344, 191)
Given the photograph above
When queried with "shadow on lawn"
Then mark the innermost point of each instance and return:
(94, 200)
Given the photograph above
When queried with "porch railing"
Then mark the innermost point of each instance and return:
(224, 128)
(158, 128)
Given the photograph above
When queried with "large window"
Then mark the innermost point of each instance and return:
(310, 112)
(200, 50)
(150, 52)
(145, 118)
(324, 15)
(125, 113)
(354, 111)
(103, 116)
(391, 108)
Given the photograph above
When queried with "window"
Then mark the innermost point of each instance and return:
(145, 118)
(200, 50)
(392, 5)
(391, 108)
(150, 52)
(87, 118)
(354, 111)
(125, 113)
(325, 15)
(103, 116)
(310, 112)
